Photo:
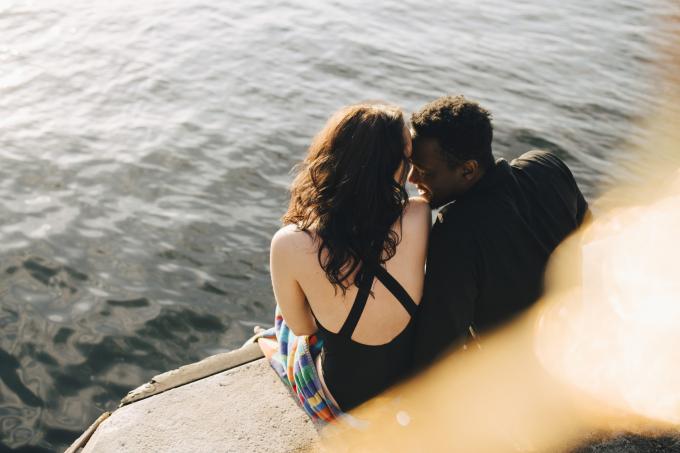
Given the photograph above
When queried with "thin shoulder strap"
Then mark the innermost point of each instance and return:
(352, 320)
(397, 290)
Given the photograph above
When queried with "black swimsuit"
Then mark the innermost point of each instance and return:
(355, 372)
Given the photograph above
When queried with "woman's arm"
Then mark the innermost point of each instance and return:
(285, 247)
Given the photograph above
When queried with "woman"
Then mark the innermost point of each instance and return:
(349, 263)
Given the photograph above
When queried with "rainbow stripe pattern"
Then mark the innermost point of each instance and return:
(294, 362)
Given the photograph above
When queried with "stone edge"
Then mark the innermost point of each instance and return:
(175, 378)
(194, 371)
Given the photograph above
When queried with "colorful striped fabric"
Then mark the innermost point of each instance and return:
(294, 362)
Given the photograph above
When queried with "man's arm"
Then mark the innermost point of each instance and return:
(451, 287)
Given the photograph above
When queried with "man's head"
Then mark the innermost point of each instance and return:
(451, 148)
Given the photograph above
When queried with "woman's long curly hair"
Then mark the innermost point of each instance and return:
(345, 193)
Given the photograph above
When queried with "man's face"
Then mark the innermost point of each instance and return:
(436, 181)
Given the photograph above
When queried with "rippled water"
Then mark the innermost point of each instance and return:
(145, 150)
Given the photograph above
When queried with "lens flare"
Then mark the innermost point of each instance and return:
(615, 335)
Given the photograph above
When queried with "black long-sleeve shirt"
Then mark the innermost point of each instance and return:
(488, 249)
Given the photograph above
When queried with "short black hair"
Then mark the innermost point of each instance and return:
(462, 128)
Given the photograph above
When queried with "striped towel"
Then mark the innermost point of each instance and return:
(294, 362)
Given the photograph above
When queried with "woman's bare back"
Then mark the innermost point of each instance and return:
(383, 317)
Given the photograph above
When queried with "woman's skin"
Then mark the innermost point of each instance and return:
(301, 286)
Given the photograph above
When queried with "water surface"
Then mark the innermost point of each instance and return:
(146, 148)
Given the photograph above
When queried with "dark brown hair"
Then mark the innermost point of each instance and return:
(345, 192)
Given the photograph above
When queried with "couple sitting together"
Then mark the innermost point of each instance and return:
(363, 278)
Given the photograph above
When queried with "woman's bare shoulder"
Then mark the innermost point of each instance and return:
(417, 212)
(290, 238)
(418, 204)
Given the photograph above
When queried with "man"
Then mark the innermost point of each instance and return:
(497, 226)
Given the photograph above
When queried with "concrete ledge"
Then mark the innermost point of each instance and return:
(195, 371)
(85, 437)
(244, 409)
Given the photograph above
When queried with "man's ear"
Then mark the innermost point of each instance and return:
(470, 169)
